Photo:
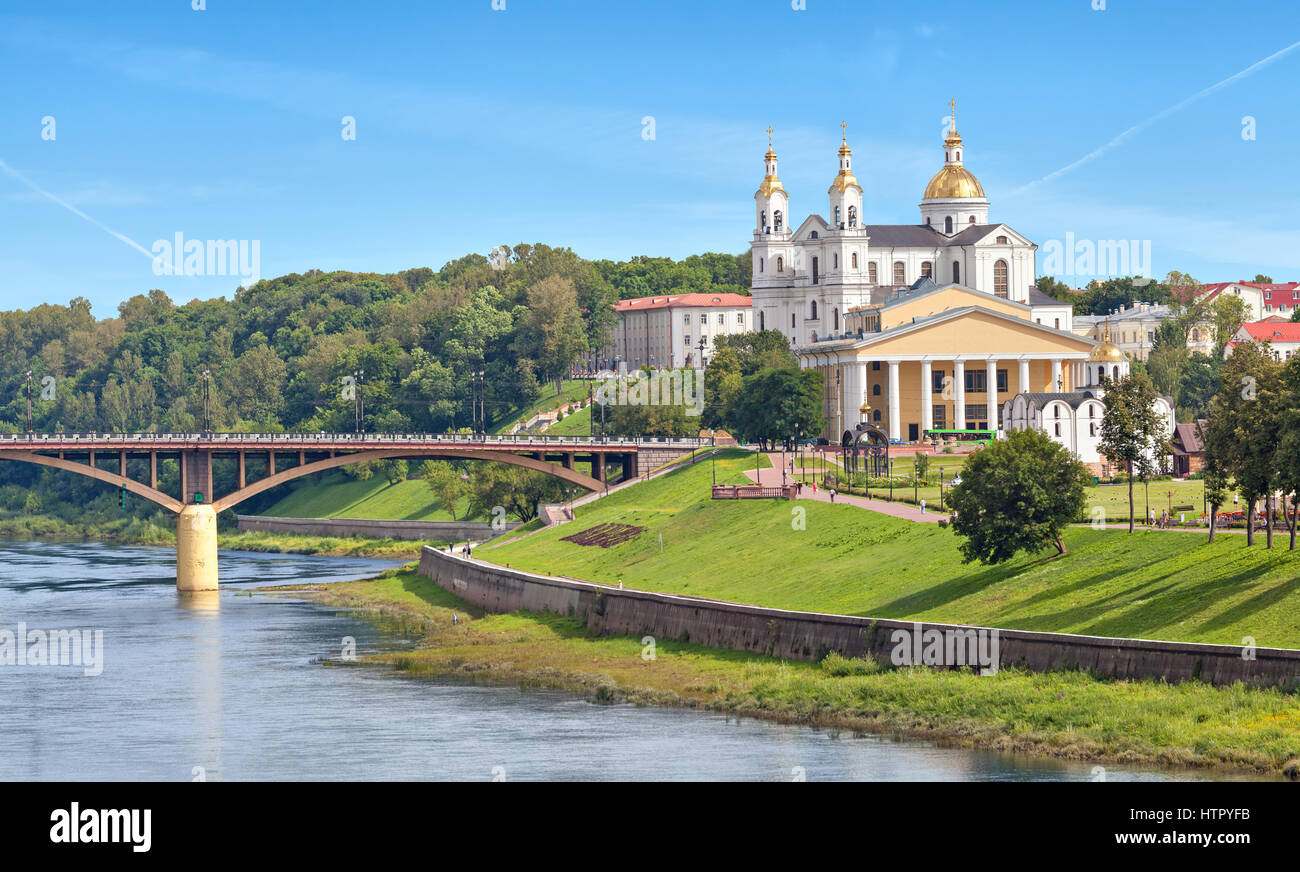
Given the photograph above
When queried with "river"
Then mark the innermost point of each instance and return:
(231, 688)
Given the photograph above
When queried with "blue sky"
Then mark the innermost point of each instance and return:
(476, 127)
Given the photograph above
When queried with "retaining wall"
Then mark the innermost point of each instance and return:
(810, 635)
(438, 531)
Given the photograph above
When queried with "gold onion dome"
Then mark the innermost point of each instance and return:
(954, 181)
(1105, 352)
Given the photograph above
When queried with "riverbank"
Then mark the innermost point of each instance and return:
(1064, 714)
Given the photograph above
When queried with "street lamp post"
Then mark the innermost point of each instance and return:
(29, 402)
(207, 410)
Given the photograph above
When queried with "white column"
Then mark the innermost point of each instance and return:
(1024, 376)
(1057, 384)
(855, 384)
(991, 408)
(895, 426)
(927, 401)
(959, 385)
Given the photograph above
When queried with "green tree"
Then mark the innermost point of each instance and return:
(513, 488)
(1133, 431)
(776, 405)
(1016, 495)
(395, 470)
(1227, 313)
(552, 333)
(446, 483)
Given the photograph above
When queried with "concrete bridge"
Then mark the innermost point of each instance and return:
(281, 457)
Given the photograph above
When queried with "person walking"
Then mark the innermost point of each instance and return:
(923, 505)
(1151, 521)
(832, 494)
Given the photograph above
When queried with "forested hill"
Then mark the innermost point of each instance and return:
(278, 351)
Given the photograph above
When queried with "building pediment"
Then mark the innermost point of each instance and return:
(969, 330)
(810, 224)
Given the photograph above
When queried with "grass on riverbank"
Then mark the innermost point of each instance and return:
(838, 558)
(1063, 714)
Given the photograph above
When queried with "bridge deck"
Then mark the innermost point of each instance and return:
(332, 442)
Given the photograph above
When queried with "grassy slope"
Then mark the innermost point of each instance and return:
(574, 389)
(339, 496)
(848, 560)
(577, 424)
(1066, 714)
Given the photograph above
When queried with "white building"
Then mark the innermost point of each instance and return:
(667, 330)
(1133, 329)
(1282, 336)
(806, 278)
(1073, 419)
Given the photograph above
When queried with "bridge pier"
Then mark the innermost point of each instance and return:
(196, 549)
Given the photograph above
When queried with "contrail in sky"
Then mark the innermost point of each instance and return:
(1154, 118)
(73, 209)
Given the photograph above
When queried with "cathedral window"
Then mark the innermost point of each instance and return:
(792, 319)
(871, 272)
(855, 260)
(947, 224)
(836, 260)
(760, 264)
(927, 268)
(762, 321)
(971, 220)
(875, 390)
(813, 235)
(900, 273)
(835, 320)
(853, 216)
(780, 264)
(762, 219)
(1002, 240)
(1000, 280)
(837, 216)
(778, 219)
(813, 315)
(956, 273)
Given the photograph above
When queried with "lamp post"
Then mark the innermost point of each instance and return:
(29, 403)
(358, 404)
(207, 411)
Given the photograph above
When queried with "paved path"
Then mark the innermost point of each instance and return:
(771, 477)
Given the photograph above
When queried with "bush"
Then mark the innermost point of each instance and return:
(837, 665)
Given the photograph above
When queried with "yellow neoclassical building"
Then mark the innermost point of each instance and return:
(940, 357)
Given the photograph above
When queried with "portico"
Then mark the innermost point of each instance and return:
(951, 369)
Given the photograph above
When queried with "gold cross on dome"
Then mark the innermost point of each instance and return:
(844, 126)
(769, 136)
(952, 105)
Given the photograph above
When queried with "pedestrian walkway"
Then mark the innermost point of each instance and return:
(771, 477)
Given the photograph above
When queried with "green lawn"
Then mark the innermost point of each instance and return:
(338, 496)
(1114, 499)
(848, 560)
(576, 424)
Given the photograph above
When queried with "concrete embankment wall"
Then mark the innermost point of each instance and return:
(437, 531)
(810, 635)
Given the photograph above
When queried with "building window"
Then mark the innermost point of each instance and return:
(971, 220)
(780, 264)
(936, 380)
(875, 414)
(977, 413)
(792, 320)
(837, 216)
(875, 365)
(1092, 428)
(853, 216)
(740, 318)
(1002, 381)
(956, 273)
(762, 321)
(940, 417)
(686, 339)
(778, 220)
(1002, 240)
(1058, 428)
(947, 225)
(1196, 335)
(871, 272)
(1056, 322)
(813, 235)
(875, 390)
(686, 318)
(977, 381)
(835, 320)
(813, 315)
(760, 264)
(927, 269)
(814, 270)
(853, 259)
(835, 262)
(722, 319)
(1000, 279)
(900, 273)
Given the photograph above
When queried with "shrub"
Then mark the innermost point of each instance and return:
(837, 665)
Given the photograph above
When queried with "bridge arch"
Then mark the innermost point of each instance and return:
(152, 494)
(570, 475)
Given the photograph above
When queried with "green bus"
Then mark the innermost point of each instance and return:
(980, 437)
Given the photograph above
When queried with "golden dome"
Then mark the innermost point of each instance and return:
(843, 181)
(1105, 352)
(953, 181)
(770, 183)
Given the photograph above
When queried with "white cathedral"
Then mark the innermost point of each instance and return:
(805, 279)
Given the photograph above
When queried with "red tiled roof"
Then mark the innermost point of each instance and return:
(1213, 289)
(684, 301)
(1261, 331)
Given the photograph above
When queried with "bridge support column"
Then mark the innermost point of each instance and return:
(196, 549)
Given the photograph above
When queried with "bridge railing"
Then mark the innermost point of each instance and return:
(213, 439)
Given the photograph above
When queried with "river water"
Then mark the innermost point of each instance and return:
(231, 688)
